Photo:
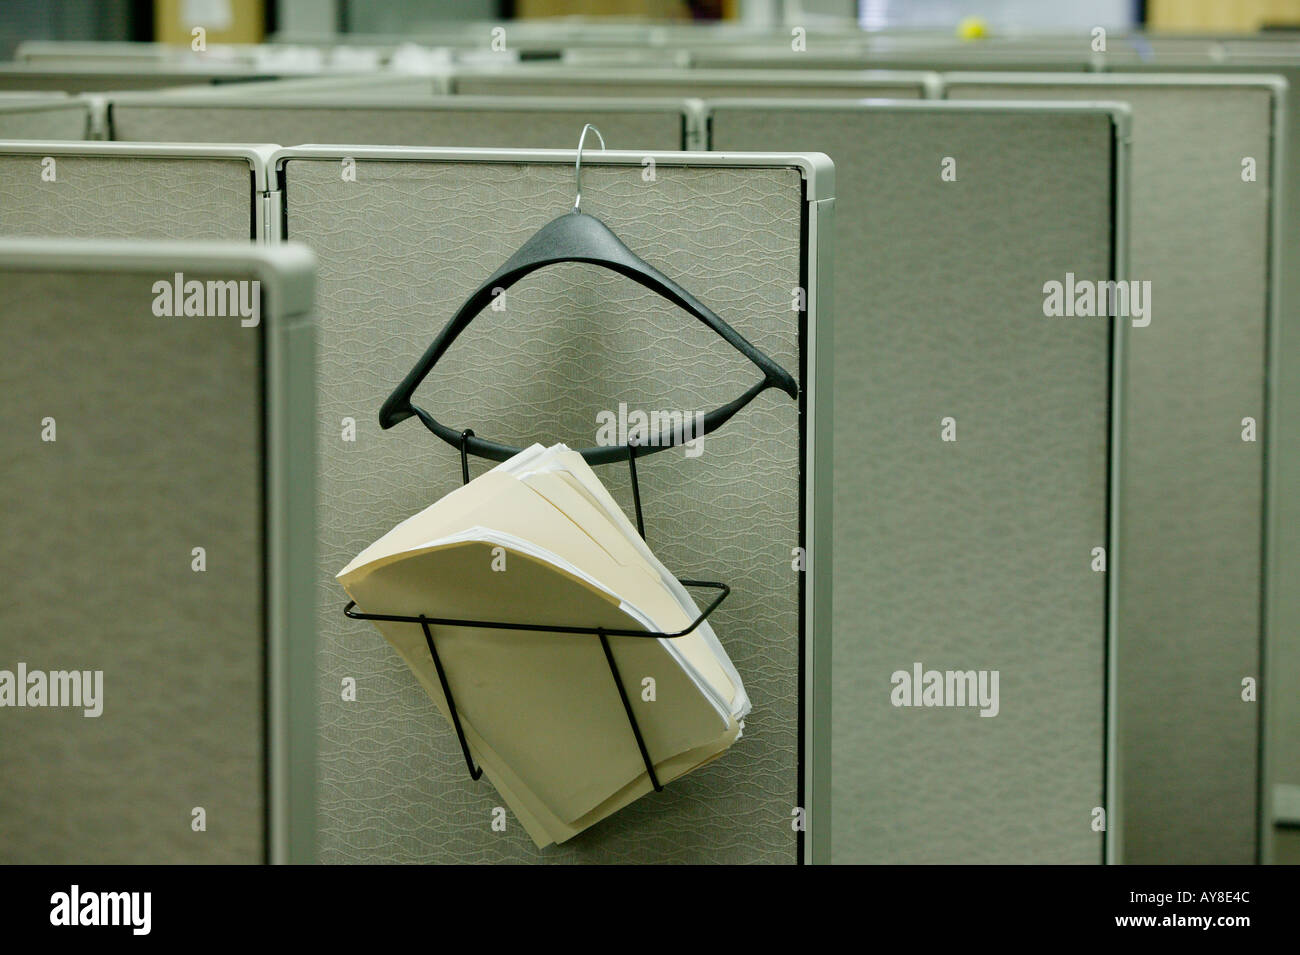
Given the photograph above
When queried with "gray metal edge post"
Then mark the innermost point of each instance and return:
(291, 611)
(819, 495)
(1113, 839)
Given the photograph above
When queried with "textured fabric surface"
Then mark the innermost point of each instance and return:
(399, 250)
(111, 197)
(49, 122)
(157, 452)
(1282, 730)
(1191, 499)
(973, 554)
(425, 126)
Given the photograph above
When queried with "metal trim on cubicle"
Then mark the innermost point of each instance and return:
(1277, 476)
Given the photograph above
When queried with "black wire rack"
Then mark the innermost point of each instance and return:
(603, 633)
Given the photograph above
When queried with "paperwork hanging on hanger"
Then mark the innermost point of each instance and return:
(539, 541)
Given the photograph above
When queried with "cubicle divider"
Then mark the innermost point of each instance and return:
(1075, 54)
(552, 80)
(250, 57)
(125, 190)
(113, 54)
(972, 451)
(483, 121)
(43, 116)
(400, 243)
(1196, 422)
(321, 90)
(330, 86)
(159, 470)
(73, 79)
(1280, 750)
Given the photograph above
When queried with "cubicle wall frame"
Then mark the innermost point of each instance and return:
(1113, 838)
(1122, 121)
(815, 414)
(1276, 474)
(928, 82)
(1269, 579)
(286, 342)
(256, 155)
(691, 110)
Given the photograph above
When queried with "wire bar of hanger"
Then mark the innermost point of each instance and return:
(577, 165)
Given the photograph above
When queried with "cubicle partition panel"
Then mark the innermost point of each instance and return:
(548, 80)
(103, 54)
(1192, 495)
(132, 191)
(87, 79)
(955, 56)
(972, 446)
(158, 469)
(501, 122)
(1280, 812)
(385, 83)
(401, 243)
(43, 117)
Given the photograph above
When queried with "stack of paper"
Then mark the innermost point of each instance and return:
(539, 540)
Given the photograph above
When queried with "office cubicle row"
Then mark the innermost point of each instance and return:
(1016, 488)
(668, 45)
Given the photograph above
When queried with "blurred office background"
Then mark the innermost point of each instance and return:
(250, 21)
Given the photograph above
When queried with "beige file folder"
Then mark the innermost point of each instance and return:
(539, 541)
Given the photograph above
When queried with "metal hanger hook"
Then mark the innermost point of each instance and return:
(577, 165)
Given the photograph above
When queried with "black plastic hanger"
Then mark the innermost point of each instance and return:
(577, 237)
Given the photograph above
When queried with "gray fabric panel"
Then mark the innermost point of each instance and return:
(1283, 729)
(970, 555)
(399, 250)
(51, 122)
(1191, 500)
(508, 84)
(100, 554)
(292, 125)
(110, 197)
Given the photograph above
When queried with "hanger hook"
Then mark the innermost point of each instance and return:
(577, 165)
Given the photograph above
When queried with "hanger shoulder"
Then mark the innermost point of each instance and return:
(577, 237)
